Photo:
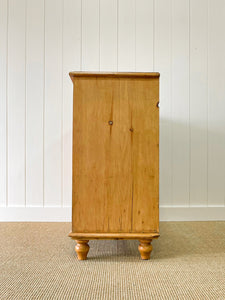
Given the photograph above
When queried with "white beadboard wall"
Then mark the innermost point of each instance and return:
(42, 40)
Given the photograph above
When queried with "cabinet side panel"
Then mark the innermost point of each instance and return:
(102, 186)
(145, 155)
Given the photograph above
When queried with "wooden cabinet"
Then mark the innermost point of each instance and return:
(115, 158)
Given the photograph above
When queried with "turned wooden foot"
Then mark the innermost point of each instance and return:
(82, 249)
(145, 248)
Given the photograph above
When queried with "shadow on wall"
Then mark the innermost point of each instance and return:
(192, 163)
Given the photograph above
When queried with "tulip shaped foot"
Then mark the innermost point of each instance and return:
(82, 249)
(145, 248)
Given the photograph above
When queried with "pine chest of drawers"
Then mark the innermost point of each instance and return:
(115, 158)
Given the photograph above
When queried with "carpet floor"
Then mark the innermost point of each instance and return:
(38, 261)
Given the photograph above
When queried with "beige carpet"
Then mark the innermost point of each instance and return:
(38, 261)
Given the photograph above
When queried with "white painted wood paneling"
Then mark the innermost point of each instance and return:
(16, 102)
(42, 41)
(216, 113)
(108, 35)
(34, 102)
(163, 52)
(126, 35)
(53, 104)
(90, 35)
(144, 35)
(180, 102)
(3, 100)
(198, 102)
(71, 61)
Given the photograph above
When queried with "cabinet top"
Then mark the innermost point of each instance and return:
(114, 74)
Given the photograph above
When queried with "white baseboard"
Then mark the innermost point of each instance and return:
(192, 213)
(63, 214)
(35, 214)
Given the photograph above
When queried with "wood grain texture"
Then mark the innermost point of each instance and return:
(113, 236)
(101, 157)
(144, 96)
(115, 154)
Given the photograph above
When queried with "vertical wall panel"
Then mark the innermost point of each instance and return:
(3, 101)
(16, 103)
(144, 35)
(108, 35)
(163, 65)
(42, 41)
(198, 102)
(180, 102)
(53, 104)
(126, 35)
(216, 115)
(34, 102)
(71, 62)
(90, 35)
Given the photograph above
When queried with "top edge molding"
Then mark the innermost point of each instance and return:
(114, 74)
